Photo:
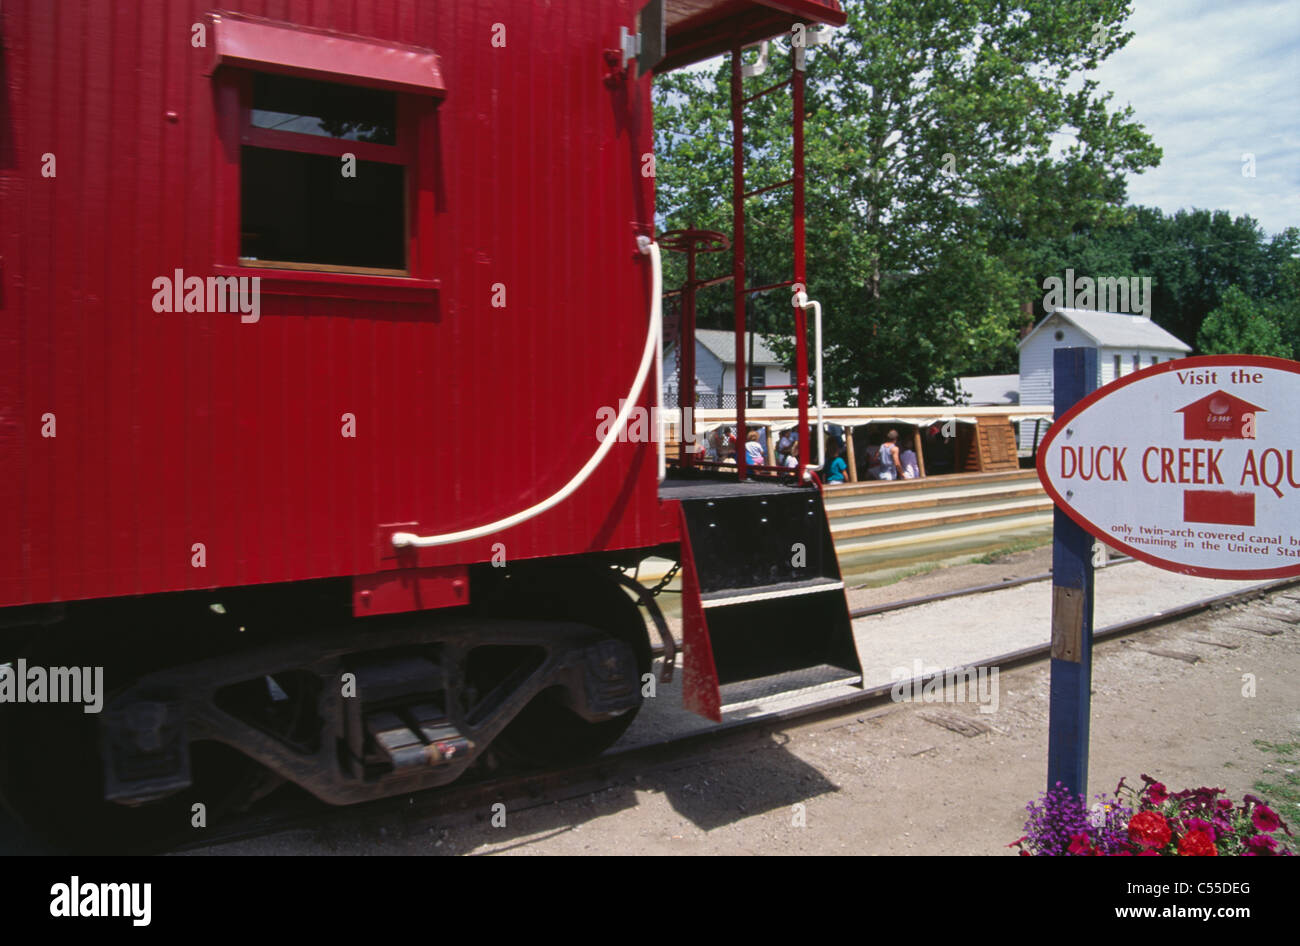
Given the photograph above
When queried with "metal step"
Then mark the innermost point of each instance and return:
(784, 589)
(765, 693)
(762, 595)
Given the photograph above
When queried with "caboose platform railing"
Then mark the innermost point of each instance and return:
(798, 280)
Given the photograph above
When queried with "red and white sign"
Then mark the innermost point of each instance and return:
(1192, 465)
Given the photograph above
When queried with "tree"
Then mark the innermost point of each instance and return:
(1192, 258)
(1241, 327)
(1286, 304)
(931, 167)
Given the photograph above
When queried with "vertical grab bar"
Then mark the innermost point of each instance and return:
(802, 301)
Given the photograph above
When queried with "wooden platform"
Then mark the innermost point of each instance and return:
(938, 511)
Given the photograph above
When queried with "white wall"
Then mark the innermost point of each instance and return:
(707, 371)
(1036, 360)
(775, 375)
(1106, 360)
(713, 376)
(1036, 365)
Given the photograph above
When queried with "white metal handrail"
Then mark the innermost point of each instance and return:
(802, 301)
(653, 352)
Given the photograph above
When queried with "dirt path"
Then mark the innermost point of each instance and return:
(864, 592)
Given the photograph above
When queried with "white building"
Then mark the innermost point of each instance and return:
(1124, 344)
(715, 370)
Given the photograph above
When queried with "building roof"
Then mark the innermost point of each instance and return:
(1115, 330)
(723, 345)
(987, 390)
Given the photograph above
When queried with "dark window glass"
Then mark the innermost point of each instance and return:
(299, 208)
(284, 103)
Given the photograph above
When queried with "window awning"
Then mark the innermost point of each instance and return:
(272, 46)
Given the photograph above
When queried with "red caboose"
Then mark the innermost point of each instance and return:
(270, 277)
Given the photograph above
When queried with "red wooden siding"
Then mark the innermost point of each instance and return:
(179, 428)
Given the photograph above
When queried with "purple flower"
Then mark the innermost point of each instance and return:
(1150, 822)
(1156, 792)
(1261, 845)
(1061, 824)
(1265, 819)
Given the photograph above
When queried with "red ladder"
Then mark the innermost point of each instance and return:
(740, 291)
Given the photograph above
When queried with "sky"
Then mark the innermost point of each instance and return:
(1212, 80)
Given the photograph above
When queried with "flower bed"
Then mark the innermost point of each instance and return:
(1199, 822)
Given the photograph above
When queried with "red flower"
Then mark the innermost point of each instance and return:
(1149, 853)
(1265, 819)
(1080, 844)
(1150, 829)
(1197, 844)
(1157, 793)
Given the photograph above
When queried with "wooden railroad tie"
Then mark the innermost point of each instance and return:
(1268, 630)
(955, 722)
(1182, 655)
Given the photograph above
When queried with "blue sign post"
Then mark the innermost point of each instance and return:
(1075, 374)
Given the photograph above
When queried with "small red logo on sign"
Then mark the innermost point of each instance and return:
(1219, 416)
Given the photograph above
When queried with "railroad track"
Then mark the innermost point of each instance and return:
(526, 790)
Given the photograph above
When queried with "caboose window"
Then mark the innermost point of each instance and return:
(298, 208)
(323, 176)
(329, 159)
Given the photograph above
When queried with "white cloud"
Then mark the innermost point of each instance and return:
(1212, 82)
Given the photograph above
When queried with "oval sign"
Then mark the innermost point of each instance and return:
(1192, 465)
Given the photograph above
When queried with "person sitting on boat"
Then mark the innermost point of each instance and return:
(837, 471)
(892, 466)
(911, 469)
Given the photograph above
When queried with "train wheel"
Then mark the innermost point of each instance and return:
(547, 731)
(53, 779)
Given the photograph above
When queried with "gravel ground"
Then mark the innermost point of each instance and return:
(894, 780)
